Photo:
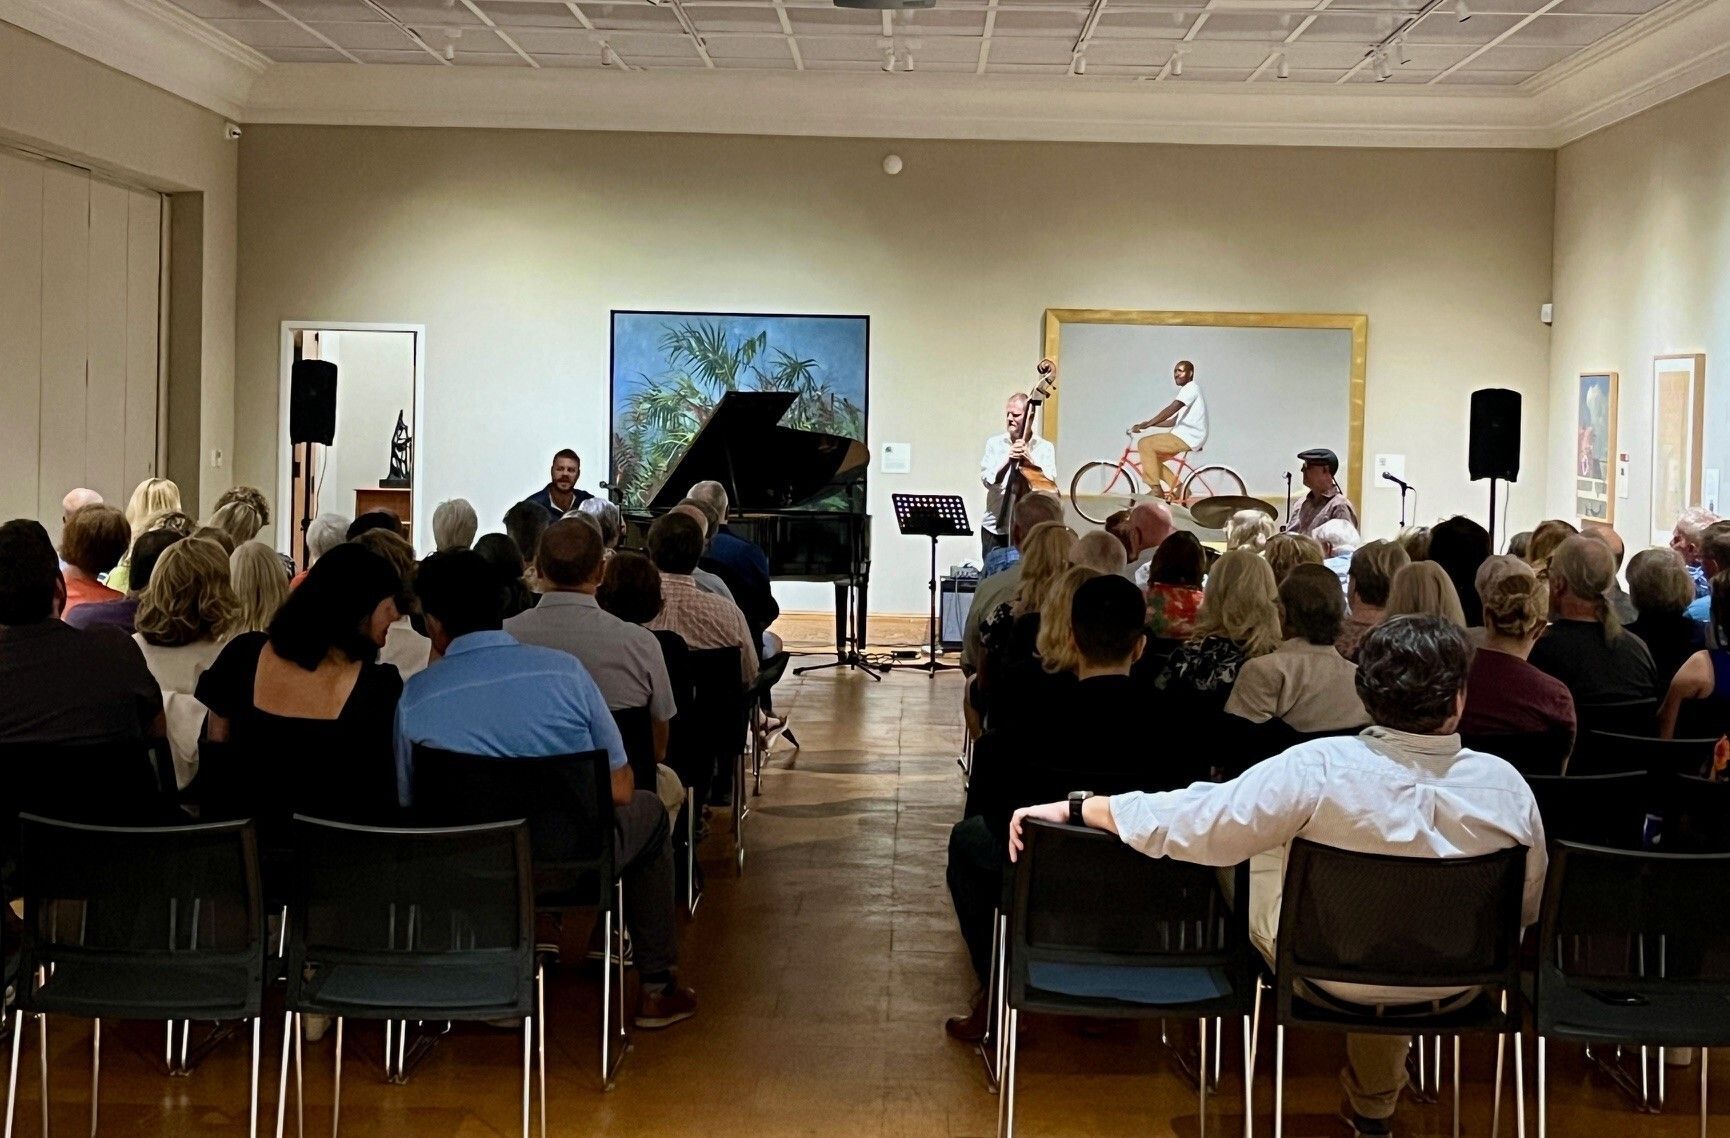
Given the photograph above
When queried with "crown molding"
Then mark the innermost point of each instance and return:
(150, 40)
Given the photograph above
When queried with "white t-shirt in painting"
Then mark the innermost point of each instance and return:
(1191, 424)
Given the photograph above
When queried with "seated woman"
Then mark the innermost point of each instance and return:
(1174, 579)
(185, 613)
(507, 562)
(1238, 621)
(1506, 695)
(1585, 646)
(303, 714)
(1662, 590)
(406, 649)
(631, 591)
(1368, 582)
(1304, 682)
(1248, 529)
(1697, 706)
(1286, 551)
(1022, 690)
(1010, 633)
(1424, 588)
(260, 585)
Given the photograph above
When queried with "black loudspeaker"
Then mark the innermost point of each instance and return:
(312, 402)
(1495, 447)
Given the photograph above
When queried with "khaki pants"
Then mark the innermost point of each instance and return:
(1155, 450)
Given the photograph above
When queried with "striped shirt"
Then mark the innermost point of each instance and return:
(704, 620)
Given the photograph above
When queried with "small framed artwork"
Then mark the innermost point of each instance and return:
(1594, 457)
(1678, 424)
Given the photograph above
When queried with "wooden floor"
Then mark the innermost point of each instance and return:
(824, 975)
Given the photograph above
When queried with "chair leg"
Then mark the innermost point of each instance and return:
(42, 1066)
(1278, 1080)
(528, 1038)
(1456, 1086)
(1423, 1066)
(299, 1081)
(390, 1050)
(1006, 1098)
(1543, 1105)
(252, 1105)
(282, 1076)
(12, 1079)
(1705, 1059)
(624, 1031)
(541, 1038)
(1519, 1086)
(1496, 1095)
(1248, 1080)
(1201, 1080)
(336, 1091)
(96, 1071)
(1002, 1001)
(988, 1043)
(606, 996)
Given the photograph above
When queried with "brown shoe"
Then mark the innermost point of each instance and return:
(969, 1028)
(666, 1007)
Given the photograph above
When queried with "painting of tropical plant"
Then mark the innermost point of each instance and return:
(670, 369)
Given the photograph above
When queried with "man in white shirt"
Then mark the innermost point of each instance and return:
(1402, 787)
(1185, 423)
(994, 469)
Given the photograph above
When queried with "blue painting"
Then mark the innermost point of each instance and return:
(669, 370)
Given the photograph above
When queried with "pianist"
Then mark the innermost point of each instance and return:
(561, 494)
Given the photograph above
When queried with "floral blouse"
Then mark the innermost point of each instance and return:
(1171, 611)
(1207, 665)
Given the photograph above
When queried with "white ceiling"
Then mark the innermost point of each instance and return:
(1504, 43)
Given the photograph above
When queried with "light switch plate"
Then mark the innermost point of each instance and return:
(897, 458)
(1394, 464)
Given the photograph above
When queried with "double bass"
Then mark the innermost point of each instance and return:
(1023, 475)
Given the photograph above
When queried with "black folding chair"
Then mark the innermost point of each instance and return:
(1696, 816)
(1633, 950)
(638, 732)
(152, 923)
(1099, 930)
(399, 924)
(1401, 922)
(1626, 717)
(768, 675)
(707, 740)
(1597, 809)
(1606, 752)
(1528, 754)
(568, 803)
(100, 784)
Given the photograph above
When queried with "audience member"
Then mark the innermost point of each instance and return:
(187, 610)
(1117, 525)
(608, 518)
(252, 496)
(1545, 539)
(1520, 544)
(1423, 587)
(1010, 633)
(1586, 647)
(1286, 551)
(1714, 559)
(1686, 539)
(94, 540)
(1099, 551)
(1661, 591)
(1304, 682)
(311, 687)
(77, 498)
(1238, 621)
(706, 520)
(1019, 690)
(240, 521)
(122, 613)
(220, 537)
(260, 586)
(741, 564)
(1697, 703)
(1339, 539)
(1031, 510)
(702, 619)
(1506, 695)
(506, 560)
(1620, 602)
(1415, 540)
(1403, 787)
(1374, 566)
(1149, 526)
(1056, 653)
(1459, 545)
(1174, 580)
(63, 686)
(150, 499)
(454, 524)
(1248, 529)
(405, 648)
(490, 695)
(373, 519)
(630, 589)
(323, 534)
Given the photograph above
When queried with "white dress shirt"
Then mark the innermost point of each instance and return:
(1043, 454)
(1381, 792)
(405, 648)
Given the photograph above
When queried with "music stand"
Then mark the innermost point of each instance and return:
(932, 516)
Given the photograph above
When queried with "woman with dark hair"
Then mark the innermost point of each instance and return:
(1174, 579)
(507, 561)
(1699, 696)
(631, 590)
(303, 713)
(1459, 545)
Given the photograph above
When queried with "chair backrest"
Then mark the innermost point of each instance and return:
(413, 903)
(1083, 897)
(769, 673)
(101, 784)
(1610, 752)
(170, 918)
(1597, 809)
(1377, 919)
(1696, 816)
(567, 801)
(1624, 924)
(1543, 754)
(638, 732)
(714, 727)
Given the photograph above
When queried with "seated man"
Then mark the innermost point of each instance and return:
(121, 613)
(702, 619)
(1403, 787)
(489, 695)
(64, 686)
(1686, 539)
(1714, 558)
(742, 565)
(708, 521)
(1149, 525)
(1093, 738)
(1339, 540)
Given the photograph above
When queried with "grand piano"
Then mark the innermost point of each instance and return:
(800, 495)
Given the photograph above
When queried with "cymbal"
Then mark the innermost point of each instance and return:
(1214, 512)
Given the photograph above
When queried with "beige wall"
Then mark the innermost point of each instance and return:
(58, 103)
(512, 247)
(1643, 269)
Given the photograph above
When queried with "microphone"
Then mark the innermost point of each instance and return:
(1400, 482)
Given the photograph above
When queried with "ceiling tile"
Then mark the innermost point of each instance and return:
(266, 34)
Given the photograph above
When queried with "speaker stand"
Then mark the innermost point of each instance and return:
(1493, 543)
(307, 506)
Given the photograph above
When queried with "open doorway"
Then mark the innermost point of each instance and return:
(380, 372)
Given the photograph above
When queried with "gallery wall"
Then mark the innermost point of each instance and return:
(1642, 270)
(513, 246)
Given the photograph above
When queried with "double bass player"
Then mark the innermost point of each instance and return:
(1002, 468)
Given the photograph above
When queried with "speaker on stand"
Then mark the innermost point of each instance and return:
(1494, 451)
(311, 419)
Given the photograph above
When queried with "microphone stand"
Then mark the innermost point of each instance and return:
(1287, 498)
(1404, 490)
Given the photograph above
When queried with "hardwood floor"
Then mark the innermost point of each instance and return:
(824, 975)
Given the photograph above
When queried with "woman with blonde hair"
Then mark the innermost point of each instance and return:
(1286, 551)
(1586, 647)
(150, 499)
(184, 615)
(1423, 587)
(239, 519)
(1045, 554)
(1248, 529)
(1054, 643)
(1545, 539)
(1505, 694)
(1239, 620)
(1009, 636)
(260, 585)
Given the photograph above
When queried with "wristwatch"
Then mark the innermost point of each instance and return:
(1076, 798)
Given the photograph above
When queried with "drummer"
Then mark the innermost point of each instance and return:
(1325, 501)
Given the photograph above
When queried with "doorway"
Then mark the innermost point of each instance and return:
(379, 396)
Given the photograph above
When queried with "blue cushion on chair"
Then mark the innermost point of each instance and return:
(1129, 983)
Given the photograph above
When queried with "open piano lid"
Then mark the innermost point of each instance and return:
(764, 466)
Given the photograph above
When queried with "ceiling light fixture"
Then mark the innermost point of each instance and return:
(1079, 67)
(1462, 10)
(1177, 63)
(1400, 51)
(889, 59)
(907, 60)
(1383, 71)
(1284, 70)
(450, 52)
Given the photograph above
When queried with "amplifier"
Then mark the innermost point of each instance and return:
(954, 600)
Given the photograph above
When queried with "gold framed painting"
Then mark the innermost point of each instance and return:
(1595, 448)
(1678, 427)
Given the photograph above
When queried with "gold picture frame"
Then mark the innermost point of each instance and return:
(1678, 437)
(1596, 399)
(1355, 323)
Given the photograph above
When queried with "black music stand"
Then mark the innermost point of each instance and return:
(932, 516)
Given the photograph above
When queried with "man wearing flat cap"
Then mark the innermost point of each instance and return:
(1325, 501)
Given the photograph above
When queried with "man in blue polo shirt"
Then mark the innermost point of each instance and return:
(490, 695)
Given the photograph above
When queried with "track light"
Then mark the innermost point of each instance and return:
(1080, 65)
(1383, 71)
(1284, 70)
(1400, 50)
(889, 59)
(1177, 63)
(1462, 10)
(907, 61)
(450, 52)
